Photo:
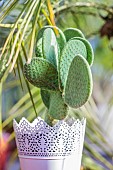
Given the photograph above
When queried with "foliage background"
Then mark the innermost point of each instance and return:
(20, 21)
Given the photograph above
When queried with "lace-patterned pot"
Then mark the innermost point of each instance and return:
(41, 147)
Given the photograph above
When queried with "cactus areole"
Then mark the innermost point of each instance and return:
(61, 69)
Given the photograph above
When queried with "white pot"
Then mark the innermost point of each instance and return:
(41, 147)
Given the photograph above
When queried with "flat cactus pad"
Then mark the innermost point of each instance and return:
(90, 53)
(73, 32)
(42, 74)
(57, 108)
(79, 83)
(38, 49)
(50, 46)
(60, 37)
(72, 48)
(45, 95)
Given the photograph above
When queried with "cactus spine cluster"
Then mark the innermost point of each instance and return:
(61, 69)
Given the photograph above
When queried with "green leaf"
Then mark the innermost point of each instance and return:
(79, 83)
(50, 46)
(72, 48)
(2, 67)
(90, 53)
(42, 74)
(73, 32)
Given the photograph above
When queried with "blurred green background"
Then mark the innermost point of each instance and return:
(20, 21)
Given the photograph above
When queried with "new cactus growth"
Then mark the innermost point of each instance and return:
(61, 69)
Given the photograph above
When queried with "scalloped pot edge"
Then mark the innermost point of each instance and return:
(42, 147)
(39, 119)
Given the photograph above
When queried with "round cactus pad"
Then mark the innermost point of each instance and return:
(50, 46)
(42, 74)
(60, 36)
(90, 53)
(72, 48)
(79, 83)
(73, 32)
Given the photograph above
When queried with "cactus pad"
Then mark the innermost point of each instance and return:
(90, 53)
(54, 101)
(60, 37)
(57, 108)
(42, 74)
(61, 69)
(45, 95)
(38, 49)
(72, 48)
(2, 67)
(79, 83)
(73, 32)
(50, 46)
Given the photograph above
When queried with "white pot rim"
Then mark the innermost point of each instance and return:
(39, 140)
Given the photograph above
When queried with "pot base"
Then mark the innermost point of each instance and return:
(50, 164)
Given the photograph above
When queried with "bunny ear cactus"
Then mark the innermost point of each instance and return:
(62, 70)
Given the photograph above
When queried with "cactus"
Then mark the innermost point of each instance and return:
(50, 46)
(38, 49)
(90, 54)
(72, 32)
(72, 48)
(42, 74)
(62, 70)
(79, 82)
(60, 37)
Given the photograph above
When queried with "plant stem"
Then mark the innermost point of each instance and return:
(98, 6)
(51, 15)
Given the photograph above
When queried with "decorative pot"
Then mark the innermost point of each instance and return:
(42, 147)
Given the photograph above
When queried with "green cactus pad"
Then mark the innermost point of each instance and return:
(79, 83)
(2, 67)
(57, 108)
(45, 95)
(50, 46)
(72, 48)
(60, 37)
(90, 53)
(73, 32)
(42, 74)
(38, 49)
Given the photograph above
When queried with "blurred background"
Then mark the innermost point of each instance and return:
(20, 21)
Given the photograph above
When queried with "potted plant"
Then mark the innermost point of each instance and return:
(61, 69)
